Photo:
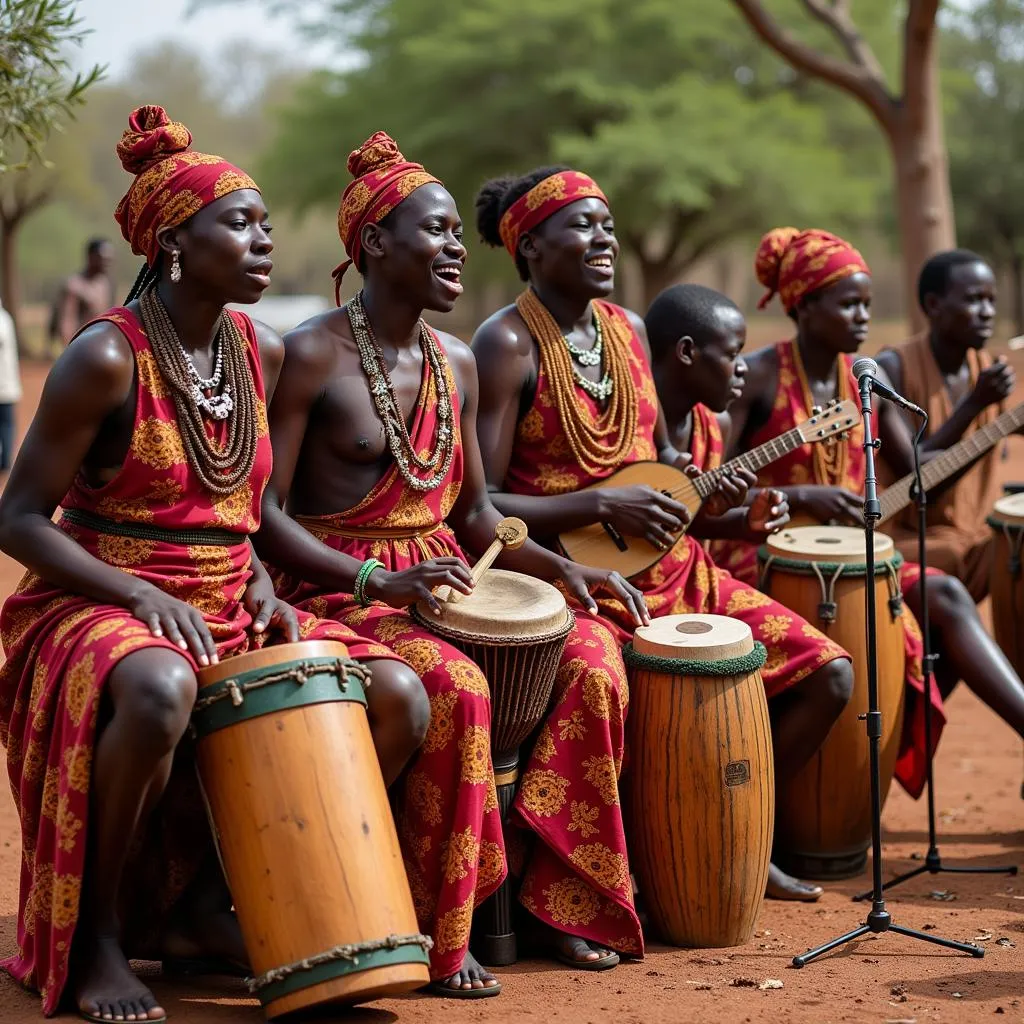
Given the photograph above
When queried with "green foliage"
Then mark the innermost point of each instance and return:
(697, 133)
(36, 93)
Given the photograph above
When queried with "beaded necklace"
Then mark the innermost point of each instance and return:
(830, 455)
(438, 462)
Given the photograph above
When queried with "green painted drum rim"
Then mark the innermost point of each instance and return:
(804, 567)
(304, 682)
(411, 953)
(740, 666)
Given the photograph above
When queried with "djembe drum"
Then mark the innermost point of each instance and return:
(1007, 582)
(514, 627)
(823, 820)
(304, 828)
(701, 779)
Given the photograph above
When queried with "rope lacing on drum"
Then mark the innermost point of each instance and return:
(350, 951)
(895, 593)
(299, 673)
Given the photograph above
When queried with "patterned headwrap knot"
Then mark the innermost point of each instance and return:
(172, 182)
(796, 263)
(545, 198)
(382, 179)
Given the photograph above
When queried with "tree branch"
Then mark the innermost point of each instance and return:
(836, 17)
(918, 42)
(853, 78)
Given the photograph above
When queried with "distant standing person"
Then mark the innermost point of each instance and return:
(10, 388)
(85, 295)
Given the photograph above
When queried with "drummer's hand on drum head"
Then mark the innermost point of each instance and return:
(581, 580)
(642, 511)
(268, 611)
(176, 620)
(834, 506)
(418, 583)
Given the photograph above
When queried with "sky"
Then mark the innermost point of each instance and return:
(121, 27)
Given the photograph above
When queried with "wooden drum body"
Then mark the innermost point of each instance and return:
(514, 627)
(701, 778)
(1007, 581)
(823, 821)
(304, 828)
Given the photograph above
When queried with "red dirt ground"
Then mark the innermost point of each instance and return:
(890, 978)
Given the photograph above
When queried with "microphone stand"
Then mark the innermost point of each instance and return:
(933, 859)
(879, 919)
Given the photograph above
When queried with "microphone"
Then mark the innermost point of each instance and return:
(866, 372)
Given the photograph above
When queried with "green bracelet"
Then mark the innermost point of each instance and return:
(362, 576)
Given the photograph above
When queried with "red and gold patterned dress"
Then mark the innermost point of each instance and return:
(61, 648)
(686, 579)
(839, 465)
(576, 872)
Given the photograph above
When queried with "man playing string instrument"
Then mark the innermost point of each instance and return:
(568, 397)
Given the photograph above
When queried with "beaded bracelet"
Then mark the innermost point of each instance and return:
(359, 591)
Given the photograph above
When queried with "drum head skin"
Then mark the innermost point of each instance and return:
(1010, 510)
(827, 544)
(695, 637)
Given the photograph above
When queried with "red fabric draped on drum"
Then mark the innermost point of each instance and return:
(62, 647)
(805, 466)
(576, 873)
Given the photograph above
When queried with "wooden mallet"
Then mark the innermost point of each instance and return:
(509, 533)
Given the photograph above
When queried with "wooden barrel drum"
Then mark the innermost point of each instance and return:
(823, 819)
(1007, 581)
(701, 781)
(304, 828)
(514, 627)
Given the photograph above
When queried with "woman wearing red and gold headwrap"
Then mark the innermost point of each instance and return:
(151, 435)
(568, 397)
(824, 285)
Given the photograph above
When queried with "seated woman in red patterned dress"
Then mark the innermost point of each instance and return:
(151, 435)
(824, 285)
(568, 397)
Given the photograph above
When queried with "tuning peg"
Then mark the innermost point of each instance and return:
(832, 404)
(816, 410)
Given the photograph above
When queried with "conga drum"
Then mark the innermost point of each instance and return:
(514, 627)
(1007, 583)
(823, 818)
(304, 828)
(701, 781)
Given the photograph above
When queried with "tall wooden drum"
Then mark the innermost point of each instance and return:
(304, 828)
(823, 822)
(701, 781)
(514, 627)
(1007, 581)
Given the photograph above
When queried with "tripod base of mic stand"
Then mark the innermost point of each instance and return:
(933, 866)
(878, 921)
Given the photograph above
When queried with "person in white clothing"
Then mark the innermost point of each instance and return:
(10, 388)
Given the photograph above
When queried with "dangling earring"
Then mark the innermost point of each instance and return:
(175, 267)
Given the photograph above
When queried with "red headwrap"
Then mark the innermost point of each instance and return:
(544, 199)
(172, 182)
(796, 263)
(383, 178)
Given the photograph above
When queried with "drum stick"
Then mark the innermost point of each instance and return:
(509, 533)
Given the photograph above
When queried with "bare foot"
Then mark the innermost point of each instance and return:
(785, 887)
(106, 988)
(471, 975)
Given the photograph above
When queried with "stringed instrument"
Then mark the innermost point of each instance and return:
(899, 495)
(602, 546)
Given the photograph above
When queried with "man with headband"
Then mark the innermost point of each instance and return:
(568, 397)
(824, 285)
(374, 430)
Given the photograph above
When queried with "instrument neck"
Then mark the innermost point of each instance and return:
(754, 460)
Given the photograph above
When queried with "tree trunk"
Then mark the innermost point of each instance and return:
(923, 195)
(9, 271)
(1017, 277)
